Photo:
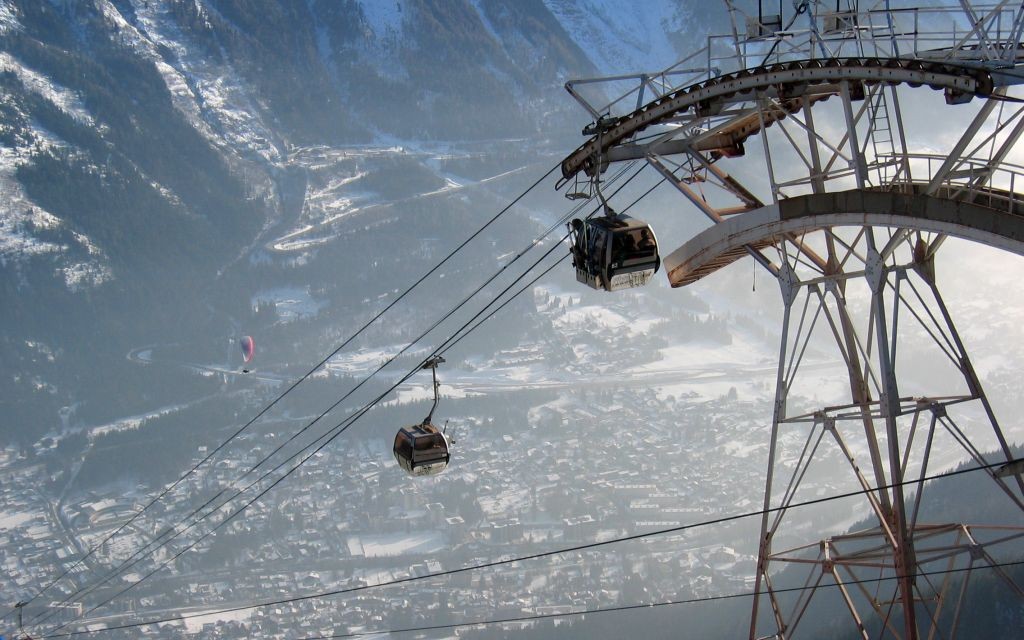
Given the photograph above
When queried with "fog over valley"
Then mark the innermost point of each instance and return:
(236, 234)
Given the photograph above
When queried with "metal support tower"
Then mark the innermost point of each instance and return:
(897, 569)
(806, 135)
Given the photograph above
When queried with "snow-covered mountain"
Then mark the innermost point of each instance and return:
(252, 80)
(157, 157)
(625, 36)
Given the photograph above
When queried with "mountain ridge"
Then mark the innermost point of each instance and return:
(150, 149)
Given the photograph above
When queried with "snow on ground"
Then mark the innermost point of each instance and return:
(510, 501)
(8, 21)
(829, 386)
(19, 212)
(618, 36)
(291, 303)
(13, 520)
(65, 99)
(210, 96)
(285, 240)
(120, 547)
(389, 545)
(341, 198)
(319, 157)
(19, 216)
(694, 368)
(700, 355)
(133, 422)
(195, 624)
(416, 392)
(361, 361)
(285, 244)
(602, 317)
(981, 286)
(384, 17)
(328, 192)
(592, 317)
(79, 275)
(742, 450)
(823, 383)
(716, 388)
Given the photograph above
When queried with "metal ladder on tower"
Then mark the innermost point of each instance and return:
(880, 135)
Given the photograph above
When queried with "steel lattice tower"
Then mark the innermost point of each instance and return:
(788, 134)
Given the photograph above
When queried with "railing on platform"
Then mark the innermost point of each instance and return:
(988, 35)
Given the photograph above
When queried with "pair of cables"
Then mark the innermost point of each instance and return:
(655, 605)
(540, 555)
(160, 541)
(262, 412)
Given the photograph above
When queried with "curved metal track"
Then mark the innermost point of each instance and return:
(722, 244)
(783, 81)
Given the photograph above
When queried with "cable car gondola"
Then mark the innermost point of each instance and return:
(614, 251)
(422, 449)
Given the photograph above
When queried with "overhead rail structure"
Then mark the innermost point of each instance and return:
(840, 144)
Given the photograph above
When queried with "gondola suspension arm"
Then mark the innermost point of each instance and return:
(431, 364)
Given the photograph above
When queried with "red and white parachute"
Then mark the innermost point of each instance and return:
(248, 348)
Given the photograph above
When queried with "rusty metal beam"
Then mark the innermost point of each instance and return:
(786, 81)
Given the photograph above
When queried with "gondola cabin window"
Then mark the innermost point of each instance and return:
(403, 445)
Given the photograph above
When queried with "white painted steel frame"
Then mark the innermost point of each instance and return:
(864, 209)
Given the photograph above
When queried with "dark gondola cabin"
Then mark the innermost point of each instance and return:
(421, 450)
(614, 252)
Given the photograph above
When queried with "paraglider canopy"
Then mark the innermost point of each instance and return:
(248, 348)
